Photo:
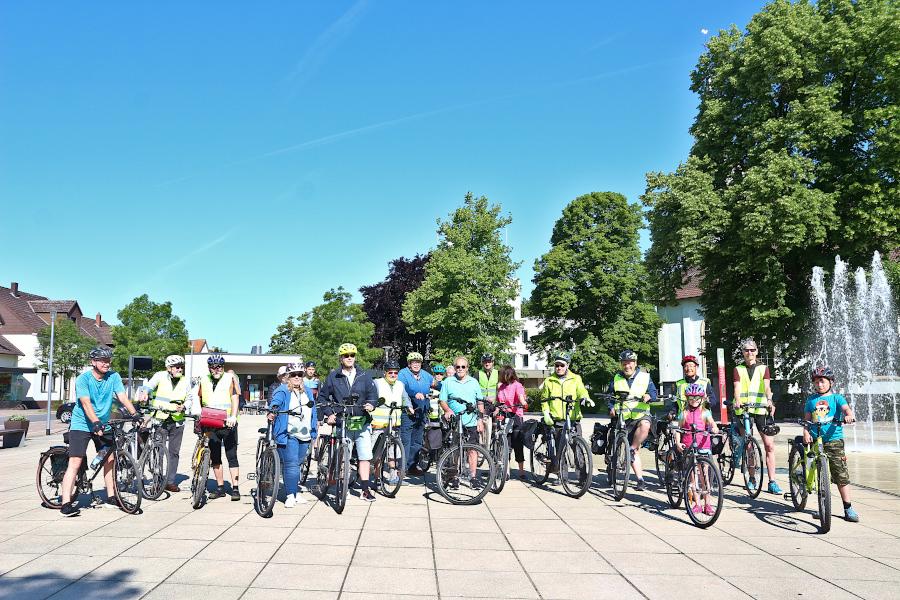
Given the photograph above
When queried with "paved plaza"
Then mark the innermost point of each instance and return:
(523, 543)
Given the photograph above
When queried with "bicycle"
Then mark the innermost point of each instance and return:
(268, 468)
(808, 471)
(574, 465)
(154, 460)
(746, 451)
(429, 453)
(457, 457)
(333, 465)
(693, 476)
(501, 429)
(53, 463)
(389, 457)
(618, 452)
(200, 464)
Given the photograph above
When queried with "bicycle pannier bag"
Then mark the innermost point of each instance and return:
(433, 438)
(529, 433)
(598, 438)
(213, 418)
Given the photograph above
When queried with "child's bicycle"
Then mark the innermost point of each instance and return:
(693, 476)
(808, 472)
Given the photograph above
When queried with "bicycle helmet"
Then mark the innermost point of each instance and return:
(100, 353)
(627, 355)
(695, 390)
(310, 363)
(294, 368)
(215, 359)
(391, 365)
(347, 349)
(690, 358)
(282, 370)
(438, 369)
(822, 371)
(562, 357)
(173, 360)
(487, 357)
(413, 356)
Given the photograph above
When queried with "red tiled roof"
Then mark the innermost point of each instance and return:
(198, 345)
(20, 314)
(6, 347)
(60, 306)
(690, 287)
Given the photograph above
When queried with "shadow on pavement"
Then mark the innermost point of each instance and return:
(38, 586)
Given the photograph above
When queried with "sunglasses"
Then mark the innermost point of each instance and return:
(392, 372)
(295, 374)
(216, 368)
(348, 356)
(750, 350)
(177, 367)
(460, 366)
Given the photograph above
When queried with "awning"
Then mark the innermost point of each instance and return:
(19, 370)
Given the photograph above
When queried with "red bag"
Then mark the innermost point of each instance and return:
(213, 418)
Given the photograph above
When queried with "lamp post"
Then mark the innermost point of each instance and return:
(50, 366)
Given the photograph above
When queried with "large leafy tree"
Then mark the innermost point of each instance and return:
(464, 302)
(796, 158)
(383, 304)
(590, 288)
(70, 351)
(147, 328)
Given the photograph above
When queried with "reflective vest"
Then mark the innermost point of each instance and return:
(489, 384)
(681, 386)
(753, 391)
(169, 397)
(634, 407)
(434, 406)
(393, 396)
(220, 395)
(570, 385)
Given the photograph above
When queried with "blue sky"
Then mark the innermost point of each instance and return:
(240, 159)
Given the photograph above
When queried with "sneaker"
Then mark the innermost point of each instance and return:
(69, 510)
(300, 499)
(709, 509)
(815, 515)
(751, 486)
(111, 502)
(475, 483)
(171, 487)
(235, 494)
(394, 479)
(414, 472)
(851, 515)
(695, 509)
(453, 484)
(639, 486)
(218, 493)
(774, 488)
(367, 496)
(290, 501)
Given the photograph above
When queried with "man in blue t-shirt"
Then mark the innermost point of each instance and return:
(459, 393)
(417, 382)
(95, 390)
(822, 407)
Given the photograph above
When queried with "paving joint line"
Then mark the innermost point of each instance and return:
(515, 553)
(437, 582)
(356, 545)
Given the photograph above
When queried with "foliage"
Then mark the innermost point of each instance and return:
(383, 304)
(147, 328)
(317, 334)
(892, 271)
(796, 158)
(590, 288)
(70, 350)
(464, 302)
(17, 418)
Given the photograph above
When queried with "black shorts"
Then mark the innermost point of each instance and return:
(471, 434)
(632, 424)
(78, 442)
(759, 421)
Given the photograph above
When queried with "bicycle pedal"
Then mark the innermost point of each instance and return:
(251, 476)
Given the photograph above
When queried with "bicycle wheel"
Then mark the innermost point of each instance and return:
(201, 474)
(154, 470)
(323, 463)
(454, 479)
(540, 460)
(620, 466)
(500, 454)
(824, 485)
(673, 478)
(391, 467)
(129, 489)
(51, 468)
(307, 462)
(726, 458)
(268, 482)
(663, 443)
(576, 466)
(484, 440)
(423, 459)
(342, 479)
(752, 468)
(703, 495)
(797, 477)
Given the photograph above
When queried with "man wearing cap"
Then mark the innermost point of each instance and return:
(393, 393)
(169, 389)
(560, 384)
(412, 426)
(280, 379)
(636, 410)
(311, 380)
(689, 365)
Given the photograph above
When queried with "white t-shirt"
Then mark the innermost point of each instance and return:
(299, 427)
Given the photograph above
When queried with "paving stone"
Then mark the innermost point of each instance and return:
(216, 572)
(290, 577)
(394, 580)
(584, 587)
(492, 584)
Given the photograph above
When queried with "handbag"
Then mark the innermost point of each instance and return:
(212, 418)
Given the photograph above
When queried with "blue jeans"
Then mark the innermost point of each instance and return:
(292, 455)
(412, 435)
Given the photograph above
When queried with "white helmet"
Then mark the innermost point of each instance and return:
(282, 370)
(295, 368)
(174, 359)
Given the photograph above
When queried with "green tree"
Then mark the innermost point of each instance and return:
(290, 336)
(589, 289)
(796, 158)
(147, 328)
(464, 301)
(70, 350)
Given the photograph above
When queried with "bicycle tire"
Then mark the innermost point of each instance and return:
(583, 466)
(261, 445)
(323, 464)
(129, 488)
(713, 488)
(51, 497)
(500, 454)
(307, 462)
(674, 478)
(201, 475)
(456, 454)
(154, 470)
(753, 459)
(797, 477)
(540, 461)
(268, 482)
(824, 485)
(484, 441)
(621, 465)
(342, 480)
(663, 443)
(726, 459)
(393, 451)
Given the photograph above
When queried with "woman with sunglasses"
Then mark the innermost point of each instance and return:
(293, 432)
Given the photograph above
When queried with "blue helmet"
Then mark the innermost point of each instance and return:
(215, 359)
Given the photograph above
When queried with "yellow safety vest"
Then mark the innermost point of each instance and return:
(753, 391)
(393, 396)
(634, 407)
(681, 386)
(489, 384)
(571, 385)
(169, 397)
(218, 396)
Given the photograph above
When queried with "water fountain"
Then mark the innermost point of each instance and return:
(858, 338)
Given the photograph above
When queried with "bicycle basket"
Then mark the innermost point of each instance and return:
(58, 465)
(529, 432)
(598, 438)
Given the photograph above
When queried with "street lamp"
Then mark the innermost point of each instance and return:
(50, 366)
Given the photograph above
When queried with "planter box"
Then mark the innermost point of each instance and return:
(12, 438)
(17, 426)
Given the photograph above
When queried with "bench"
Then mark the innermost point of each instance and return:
(12, 437)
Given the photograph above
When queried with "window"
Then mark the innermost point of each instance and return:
(524, 361)
(44, 382)
(525, 335)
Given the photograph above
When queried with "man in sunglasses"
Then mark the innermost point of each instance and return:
(169, 389)
(457, 394)
(417, 382)
(752, 387)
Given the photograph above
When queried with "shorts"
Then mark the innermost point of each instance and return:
(362, 439)
(837, 462)
(632, 425)
(227, 437)
(471, 435)
(759, 422)
(78, 442)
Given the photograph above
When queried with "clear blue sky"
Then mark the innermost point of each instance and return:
(204, 153)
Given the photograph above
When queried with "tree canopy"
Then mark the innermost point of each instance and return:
(464, 301)
(147, 328)
(70, 350)
(796, 158)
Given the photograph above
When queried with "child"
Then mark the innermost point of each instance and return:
(822, 407)
(697, 414)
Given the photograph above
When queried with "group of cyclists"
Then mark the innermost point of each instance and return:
(302, 407)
